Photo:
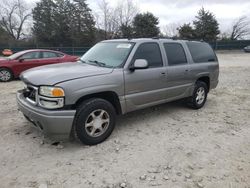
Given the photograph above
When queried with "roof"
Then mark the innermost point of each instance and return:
(37, 50)
(135, 40)
(146, 40)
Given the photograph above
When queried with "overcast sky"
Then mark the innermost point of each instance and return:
(182, 11)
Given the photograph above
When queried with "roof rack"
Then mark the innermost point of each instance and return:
(173, 38)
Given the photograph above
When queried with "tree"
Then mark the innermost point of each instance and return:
(145, 25)
(206, 26)
(171, 30)
(13, 17)
(186, 31)
(63, 23)
(240, 29)
(127, 10)
(82, 25)
(43, 26)
(116, 20)
(4, 37)
(126, 31)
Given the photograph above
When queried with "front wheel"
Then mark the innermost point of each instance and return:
(199, 97)
(94, 121)
(5, 75)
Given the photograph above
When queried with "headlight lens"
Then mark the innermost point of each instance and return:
(50, 91)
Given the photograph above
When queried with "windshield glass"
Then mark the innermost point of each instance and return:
(108, 54)
(16, 55)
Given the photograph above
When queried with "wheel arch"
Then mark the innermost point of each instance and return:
(206, 80)
(110, 96)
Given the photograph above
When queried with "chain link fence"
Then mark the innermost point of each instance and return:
(79, 51)
(230, 45)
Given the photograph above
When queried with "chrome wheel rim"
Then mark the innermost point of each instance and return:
(5, 75)
(200, 95)
(97, 123)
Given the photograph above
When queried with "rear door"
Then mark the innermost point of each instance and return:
(146, 87)
(178, 77)
(49, 58)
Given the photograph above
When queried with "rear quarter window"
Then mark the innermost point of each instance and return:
(201, 52)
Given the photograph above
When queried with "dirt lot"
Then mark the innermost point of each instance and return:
(164, 146)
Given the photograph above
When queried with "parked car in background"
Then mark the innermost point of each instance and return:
(12, 66)
(247, 49)
(116, 77)
(7, 52)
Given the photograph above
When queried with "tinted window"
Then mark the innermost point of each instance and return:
(31, 55)
(49, 55)
(151, 52)
(201, 52)
(175, 53)
(59, 55)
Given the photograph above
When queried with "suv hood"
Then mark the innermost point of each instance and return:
(56, 73)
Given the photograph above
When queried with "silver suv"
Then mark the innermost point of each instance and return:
(116, 77)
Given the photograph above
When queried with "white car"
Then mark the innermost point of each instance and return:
(247, 49)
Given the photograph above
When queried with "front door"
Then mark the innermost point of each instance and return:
(146, 87)
(27, 61)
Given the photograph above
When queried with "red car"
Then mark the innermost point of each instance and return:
(12, 66)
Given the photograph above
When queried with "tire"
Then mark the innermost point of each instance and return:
(94, 121)
(6, 75)
(199, 97)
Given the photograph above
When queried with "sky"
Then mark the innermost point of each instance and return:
(184, 11)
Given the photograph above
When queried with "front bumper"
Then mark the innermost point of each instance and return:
(54, 123)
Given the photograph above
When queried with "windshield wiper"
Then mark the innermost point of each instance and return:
(82, 61)
(101, 64)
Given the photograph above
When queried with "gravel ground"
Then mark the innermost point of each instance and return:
(164, 146)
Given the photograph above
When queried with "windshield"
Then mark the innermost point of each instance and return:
(108, 54)
(16, 55)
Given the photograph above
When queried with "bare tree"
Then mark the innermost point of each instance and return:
(13, 16)
(126, 11)
(240, 29)
(110, 19)
(171, 30)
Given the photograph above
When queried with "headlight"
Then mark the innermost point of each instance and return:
(50, 91)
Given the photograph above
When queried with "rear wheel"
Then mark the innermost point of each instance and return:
(199, 96)
(5, 75)
(94, 121)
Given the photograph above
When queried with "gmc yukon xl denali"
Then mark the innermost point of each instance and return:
(116, 77)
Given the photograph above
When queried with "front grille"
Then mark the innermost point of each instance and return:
(30, 93)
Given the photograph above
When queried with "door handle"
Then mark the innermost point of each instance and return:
(186, 71)
(163, 74)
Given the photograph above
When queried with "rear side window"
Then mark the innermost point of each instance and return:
(151, 52)
(175, 54)
(49, 55)
(59, 55)
(201, 52)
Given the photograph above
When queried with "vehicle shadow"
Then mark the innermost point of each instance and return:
(128, 123)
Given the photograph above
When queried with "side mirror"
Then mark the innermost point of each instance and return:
(139, 64)
(21, 60)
